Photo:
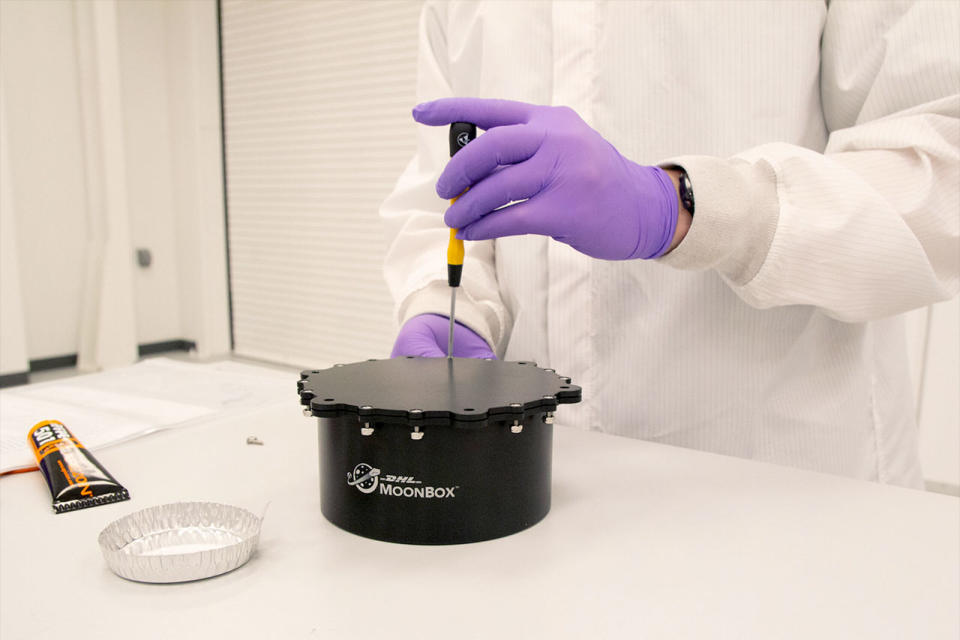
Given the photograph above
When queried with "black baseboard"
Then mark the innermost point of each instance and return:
(166, 346)
(13, 379)
(54, 362)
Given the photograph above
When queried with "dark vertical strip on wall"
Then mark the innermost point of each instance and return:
(223, 161)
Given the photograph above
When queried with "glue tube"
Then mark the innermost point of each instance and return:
(75, 478)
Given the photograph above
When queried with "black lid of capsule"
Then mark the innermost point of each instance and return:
(458, 392)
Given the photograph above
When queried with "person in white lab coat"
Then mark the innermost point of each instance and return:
(819, 142)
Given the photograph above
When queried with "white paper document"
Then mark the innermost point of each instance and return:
(116, 405)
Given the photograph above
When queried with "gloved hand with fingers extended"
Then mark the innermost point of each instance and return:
(575, 186)
(426, 336)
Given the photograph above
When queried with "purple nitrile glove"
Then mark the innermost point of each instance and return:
(426, 336)
(575, 185)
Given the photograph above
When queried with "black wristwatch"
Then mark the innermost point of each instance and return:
(686, 190)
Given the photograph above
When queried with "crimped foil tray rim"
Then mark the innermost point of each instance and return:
(179, 567)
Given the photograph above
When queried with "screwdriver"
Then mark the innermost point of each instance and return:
(460, 134)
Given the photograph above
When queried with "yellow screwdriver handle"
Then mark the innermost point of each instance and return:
(455, 246)
(461, 133)
(454, 249)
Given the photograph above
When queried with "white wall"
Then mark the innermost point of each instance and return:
(107, 321)
(147, 133)
(45, 151)
(114, 143)
(13, 343)
(317, 103)
(193, 82)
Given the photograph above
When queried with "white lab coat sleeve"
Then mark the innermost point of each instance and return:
(870, 227)
(415, 264)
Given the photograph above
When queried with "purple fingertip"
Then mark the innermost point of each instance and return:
(418, 111)
(443, 191)
(462, 235)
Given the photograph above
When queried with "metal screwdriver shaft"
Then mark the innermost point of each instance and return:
(453, 309)
(460, 134)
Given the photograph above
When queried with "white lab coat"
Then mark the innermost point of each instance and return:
(822, 145)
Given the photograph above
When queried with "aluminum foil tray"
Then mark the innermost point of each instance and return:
(180, 542)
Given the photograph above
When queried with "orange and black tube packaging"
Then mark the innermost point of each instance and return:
(75, 478)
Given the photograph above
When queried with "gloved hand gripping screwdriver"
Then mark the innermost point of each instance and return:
(460, 134)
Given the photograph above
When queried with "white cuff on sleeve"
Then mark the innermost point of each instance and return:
(735, 216)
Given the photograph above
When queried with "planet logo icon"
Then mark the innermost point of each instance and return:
(364, 477)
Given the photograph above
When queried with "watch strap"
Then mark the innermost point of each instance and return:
(685, 189)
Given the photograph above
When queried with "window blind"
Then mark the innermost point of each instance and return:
(317, 99)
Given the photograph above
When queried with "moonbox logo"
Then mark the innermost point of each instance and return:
(367, 479)
(363, 477)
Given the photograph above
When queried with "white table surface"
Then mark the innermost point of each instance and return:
(643, 540)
